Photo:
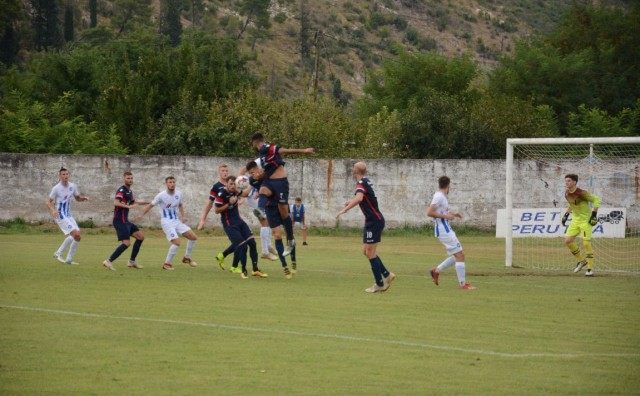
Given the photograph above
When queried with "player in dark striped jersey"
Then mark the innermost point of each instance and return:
(365, 197)
(218, 186)
(239, 233)
(125, 229)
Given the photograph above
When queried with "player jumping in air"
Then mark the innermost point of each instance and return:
(583, 218)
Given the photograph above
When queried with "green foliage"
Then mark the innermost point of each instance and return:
(171, 24)
(595, 122)
(44, 17)
(130, 14)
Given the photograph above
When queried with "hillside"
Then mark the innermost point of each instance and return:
(350, 37)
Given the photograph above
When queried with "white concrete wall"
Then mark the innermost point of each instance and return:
(404, 187)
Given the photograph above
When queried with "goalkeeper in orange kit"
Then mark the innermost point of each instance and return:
(583, 218)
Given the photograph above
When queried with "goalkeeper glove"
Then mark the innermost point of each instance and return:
(594, 218)
(564, 218)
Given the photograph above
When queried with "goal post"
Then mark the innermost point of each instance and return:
(534, 200)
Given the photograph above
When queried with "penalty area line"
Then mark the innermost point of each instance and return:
(411, 344)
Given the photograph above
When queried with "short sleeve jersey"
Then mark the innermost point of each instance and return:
(579, 202)
(297, 212)
(168, 204)
(369, 203)
(270, 157)
(231, 216)
(215, 190)
(125, 196)
(62, 196)
(441, 203)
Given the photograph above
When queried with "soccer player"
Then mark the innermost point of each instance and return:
(276, 184)
(218, 186)
(125, 229)
(439, 211)
(365, 197)
(172, 225)
(237, 230)
(583, 218)
(59, 204)
(252, 198)
(299, 219)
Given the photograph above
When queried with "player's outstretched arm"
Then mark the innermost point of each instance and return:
(144, 212)
(351, 204)
(308, 150)
(203, 218)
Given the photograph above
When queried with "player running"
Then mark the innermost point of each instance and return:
(583, 218)
(170, 203)
(439, 211)
(59, 204)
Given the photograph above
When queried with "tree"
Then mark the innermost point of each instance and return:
(93, 13)
(171, 25)
(305, 33)
(12, 13)
(129, 13)
(68, 22)
(46, 26)
(256, 12)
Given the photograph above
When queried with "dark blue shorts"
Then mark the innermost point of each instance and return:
(373, 231)
(279, 189)
(125, 230)
(238, 233)
(273, 216)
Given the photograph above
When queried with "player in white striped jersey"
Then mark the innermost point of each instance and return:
(439, 211)
(59, 203)
(172, 220)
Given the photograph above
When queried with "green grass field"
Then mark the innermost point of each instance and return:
(84, 330)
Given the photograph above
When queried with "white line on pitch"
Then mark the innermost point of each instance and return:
(329, 336)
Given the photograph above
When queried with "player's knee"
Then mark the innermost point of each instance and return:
(76, 237)
(175, 242)
(126, 243)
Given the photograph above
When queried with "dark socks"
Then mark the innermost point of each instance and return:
(118, 252)
(377, 273)
(136, 249)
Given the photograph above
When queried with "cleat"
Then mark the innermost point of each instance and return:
(580, 266)
(269, 256)
(375, 289)
(287, 273)
(258, 213)
(388, 281)
(244, 275)
(187, 260)
(57, 257)
(107, 264)
(134, 264)
(294, 268)
(235, 270)
(259, 274)
(466, 286)
(167, 266)
(273, 251)
(220, 258)
(70, 262)
(589, 273)
(291, 243)
(305, 243)
(435, 274)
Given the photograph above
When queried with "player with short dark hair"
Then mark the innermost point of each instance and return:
(239, 233)
(366, 198)
(583, 208)
(125, 229)
(439, 211)
(218, 186)
(59, 204)
(172, 220)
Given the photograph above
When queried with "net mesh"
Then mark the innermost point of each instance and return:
(611, 171)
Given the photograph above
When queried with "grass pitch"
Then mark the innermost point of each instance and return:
(84, 330)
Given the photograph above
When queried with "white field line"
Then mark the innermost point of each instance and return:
(417, 345)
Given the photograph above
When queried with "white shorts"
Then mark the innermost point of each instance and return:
(301, 226)
(253, 203)
(174, 228)
(67, 225)
(450, 242)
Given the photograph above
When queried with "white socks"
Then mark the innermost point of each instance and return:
(172, 252)
(448, 262)
(265, 239)
(64, 245)
(72, 250)
(460, 270)
(190, 245)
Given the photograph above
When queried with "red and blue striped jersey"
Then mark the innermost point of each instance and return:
(271, 158)
(369, 203)
(231, 216)
(125, 196)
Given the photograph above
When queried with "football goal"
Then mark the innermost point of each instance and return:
(535, 202)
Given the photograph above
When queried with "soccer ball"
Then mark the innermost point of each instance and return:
(242, 182)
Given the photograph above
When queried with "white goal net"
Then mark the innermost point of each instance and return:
(535, 203)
